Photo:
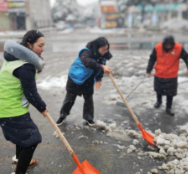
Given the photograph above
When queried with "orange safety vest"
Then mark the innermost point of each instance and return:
(167, 63)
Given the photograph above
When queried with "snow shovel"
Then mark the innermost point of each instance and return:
(83, 168)
(148, 137)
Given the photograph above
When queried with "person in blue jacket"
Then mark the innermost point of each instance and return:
(86, 71)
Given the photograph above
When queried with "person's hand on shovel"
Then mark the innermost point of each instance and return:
(106, 69)
(45, 113)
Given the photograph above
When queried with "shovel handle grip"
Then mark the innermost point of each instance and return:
(67, 145)
(124, 100)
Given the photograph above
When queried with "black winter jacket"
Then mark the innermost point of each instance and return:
(95, 64)
(26, 74)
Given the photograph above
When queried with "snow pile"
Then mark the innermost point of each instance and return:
(156, 155)
(133, 133)
(55, 134)
(135, 142)
(172, 148)
(131, 148)
(113, 131)
(120, 147)
(108, 127)
(154, 171)
(172, 145)
(55, 82)
(176, 166)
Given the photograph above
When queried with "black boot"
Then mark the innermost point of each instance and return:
(157, 104)
(60, 120)
(169, 112)
(159, 101)
(169, 105)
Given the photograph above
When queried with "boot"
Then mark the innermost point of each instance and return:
(169, 105)
(90, 122)
(159, 101)
(169, 112)
(157, 104)
(61, 120)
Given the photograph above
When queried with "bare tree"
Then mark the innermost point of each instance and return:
(63, 8)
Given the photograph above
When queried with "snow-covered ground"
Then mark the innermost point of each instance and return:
(53, 83)
(106, 31)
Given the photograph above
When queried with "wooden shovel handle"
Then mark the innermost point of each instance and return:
(124, 100)
(60, 134)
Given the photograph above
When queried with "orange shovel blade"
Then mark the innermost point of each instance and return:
(148, 137)
(86, 168)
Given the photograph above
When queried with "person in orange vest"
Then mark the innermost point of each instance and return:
(166, 58)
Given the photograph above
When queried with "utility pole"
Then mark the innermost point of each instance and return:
(27, 15)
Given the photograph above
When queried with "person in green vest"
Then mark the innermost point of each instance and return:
(17, 90)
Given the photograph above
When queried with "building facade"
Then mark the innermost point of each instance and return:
(4, 16)
(109, 14)
(38, 14)
(147, 15)
(25, 14)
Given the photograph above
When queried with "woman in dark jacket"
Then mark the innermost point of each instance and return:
(85, 72)
(17, 90)
(166, 58)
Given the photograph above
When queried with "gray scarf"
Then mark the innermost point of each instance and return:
(23, 53)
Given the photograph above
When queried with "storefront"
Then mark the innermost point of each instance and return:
(24, 14)
(109, 14)
(162, 12)
(17, 14)
(154, 15)
(4, 16)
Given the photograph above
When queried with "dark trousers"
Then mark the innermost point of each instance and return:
(88, 110)
(169, 100)
(24, 156)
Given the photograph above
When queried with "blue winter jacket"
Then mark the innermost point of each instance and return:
(78, 72)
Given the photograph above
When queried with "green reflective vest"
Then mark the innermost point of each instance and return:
(12, 100)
